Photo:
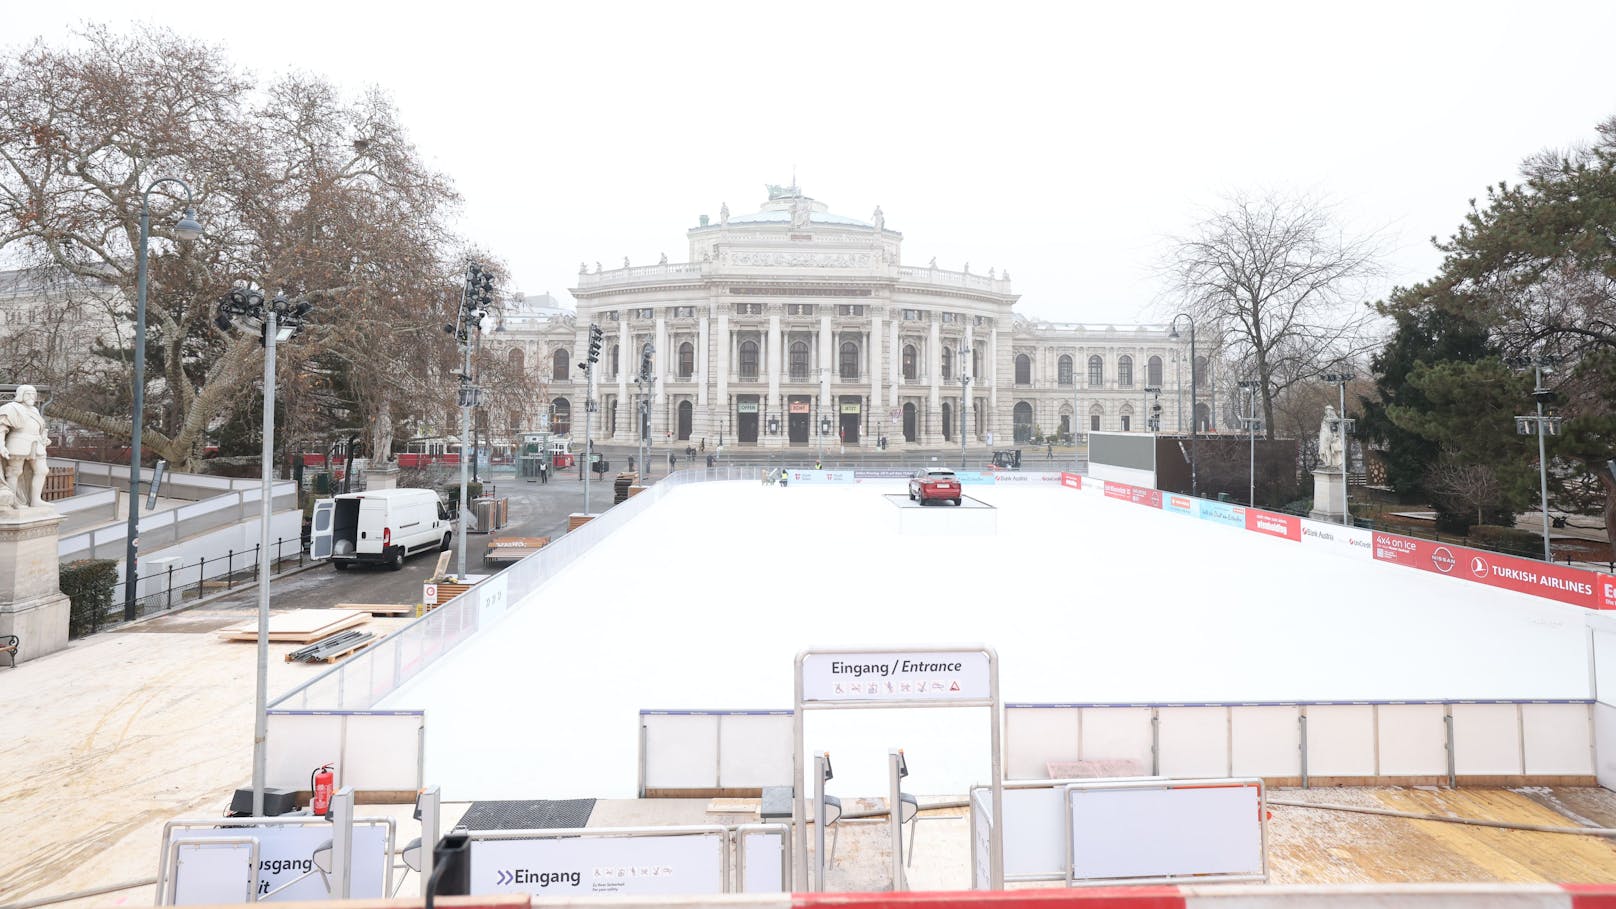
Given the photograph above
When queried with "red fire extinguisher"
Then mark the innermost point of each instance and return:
(322, 783)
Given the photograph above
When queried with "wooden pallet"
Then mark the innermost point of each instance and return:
(333, 657)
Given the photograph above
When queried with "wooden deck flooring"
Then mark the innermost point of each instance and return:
(1318, 846)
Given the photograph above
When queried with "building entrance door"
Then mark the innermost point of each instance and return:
(850, 428)
(685, 420)
(797, 424)
(910, 431)
(746, 419)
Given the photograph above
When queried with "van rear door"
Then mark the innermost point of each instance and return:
(320, 529)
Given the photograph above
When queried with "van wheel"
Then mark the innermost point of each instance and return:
(396, 560)
(340, 566)
(447, 539)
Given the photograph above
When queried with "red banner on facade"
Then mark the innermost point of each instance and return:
(1607, 592)
(1071, 480)
(1288, 526)
(1555, 582)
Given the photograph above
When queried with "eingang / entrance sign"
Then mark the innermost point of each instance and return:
(898, 676)
(842, 678)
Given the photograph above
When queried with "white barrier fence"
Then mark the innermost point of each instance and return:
(1480, 741)
(631, 861)
(226, 861)
(373, 751)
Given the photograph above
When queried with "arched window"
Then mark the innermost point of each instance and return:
(948, 371)
(514, 360)
(976, 362)
(798, 364)
(1096, 372)
(560, 416)
(1023, 369)
(1023, 421)
(687, 360)
(1063, 370)
(1125, 371)
(617, 362)
(1153, 372)
(1096, 414)
(685, 420)
(850, 360)
(749, 360)
(910, 358)
(558, 364)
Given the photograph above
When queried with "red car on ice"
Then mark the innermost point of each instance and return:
(934, 483)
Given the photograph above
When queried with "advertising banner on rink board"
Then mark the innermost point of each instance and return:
(596, 865)
(1071, 480)
(1138, 495)
(1288, 526)
(1353, 542)
(1554, 582)
(1607, 592)
(875, 676)
(1178, 504)
(1221, 513)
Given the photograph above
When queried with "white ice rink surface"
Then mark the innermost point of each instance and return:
(704, 601)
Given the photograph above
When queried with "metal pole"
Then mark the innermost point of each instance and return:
(1195, 416)
(1346, 452)
(589, 407)
(895, 820)
(465, 431)
(1251, 493)
(819, 823)
(131, 535)
(260, 713)
(1542, 465)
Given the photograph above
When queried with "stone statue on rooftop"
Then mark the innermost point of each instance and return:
(583, 269)
(663, 260)
(22, 448)
(879, 219)
(723, 214)
(625, 261)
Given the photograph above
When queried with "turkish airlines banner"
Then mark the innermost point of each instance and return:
(1555, 582)
(1288, 526)
(1138, 495)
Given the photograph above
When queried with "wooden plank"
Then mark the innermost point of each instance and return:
(379, 609)
(302, 626)
(443, 564)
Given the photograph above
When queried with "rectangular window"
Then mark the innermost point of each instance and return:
(646, 313)
(613, 316)
(850, 309)
(1094, 422)
(800, 309)
(749, 309)
(1125, 421)
(911, 315)
(684, 312)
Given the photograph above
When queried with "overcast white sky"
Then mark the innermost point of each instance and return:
(1062, 141)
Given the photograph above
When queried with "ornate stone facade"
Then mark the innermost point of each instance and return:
(793, 320)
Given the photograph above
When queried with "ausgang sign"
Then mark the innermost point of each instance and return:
(944, 675)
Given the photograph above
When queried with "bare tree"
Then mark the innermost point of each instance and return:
(1459, 484)
(1274, 286)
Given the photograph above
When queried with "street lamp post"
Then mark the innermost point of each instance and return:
(475, 298)
(276, 322)
(965, 402)
(186, 228)
(644, 382)
(1194, 415)
(1344, 427)
(1544, 425)
(1153, 421)
(1251, 423)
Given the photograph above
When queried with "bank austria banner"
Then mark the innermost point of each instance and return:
(1545, 579)
(1353, 542)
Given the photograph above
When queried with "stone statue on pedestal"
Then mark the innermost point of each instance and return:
(1331, 447)
(22, 448)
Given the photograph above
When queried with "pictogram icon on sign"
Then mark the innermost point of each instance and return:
(1478, 567)
(953, 686)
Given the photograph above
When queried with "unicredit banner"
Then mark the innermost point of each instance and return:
(1544, 579)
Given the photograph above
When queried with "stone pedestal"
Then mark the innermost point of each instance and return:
(382, 477)
(1329, 496)
(32, 607)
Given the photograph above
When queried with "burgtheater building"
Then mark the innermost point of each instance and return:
(794, 326)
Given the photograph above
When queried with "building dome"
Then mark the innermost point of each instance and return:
(788, 205)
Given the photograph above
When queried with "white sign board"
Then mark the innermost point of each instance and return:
(675, 864)
(285, 852)
(215, 873)
(896, 677)
(765, 855)
(1145, 831)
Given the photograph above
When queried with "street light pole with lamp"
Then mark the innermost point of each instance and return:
(1172, 335)
(1544, 425)
(644, 381)
(275, 322)
(187, 229)
(596, 335)
(965, 402)
(1251, 422)
(475, 298)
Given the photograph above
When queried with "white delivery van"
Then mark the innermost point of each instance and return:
(380, 527)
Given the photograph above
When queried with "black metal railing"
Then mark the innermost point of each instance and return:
(181, 582)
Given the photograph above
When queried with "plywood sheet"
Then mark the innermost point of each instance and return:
(299, 625)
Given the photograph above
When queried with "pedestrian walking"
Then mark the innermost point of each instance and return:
(1051, 455)
(673, 461)
(630, 463)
